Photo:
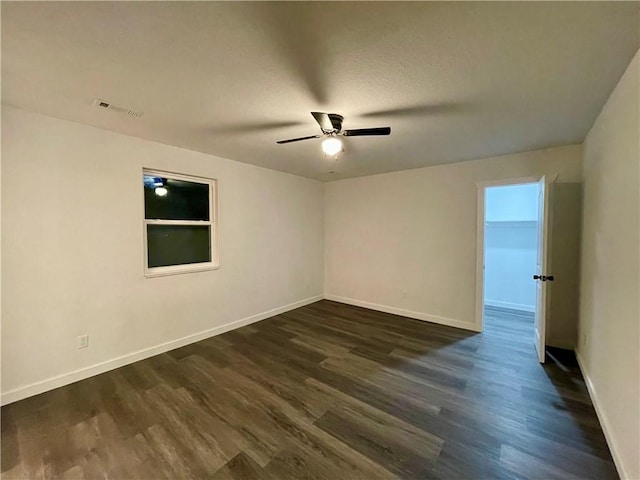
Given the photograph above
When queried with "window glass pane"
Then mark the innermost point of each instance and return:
(169, 199)
(178, 245)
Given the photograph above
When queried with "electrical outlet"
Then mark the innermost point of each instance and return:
(83, 341)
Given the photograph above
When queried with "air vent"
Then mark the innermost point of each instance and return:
(108, 105)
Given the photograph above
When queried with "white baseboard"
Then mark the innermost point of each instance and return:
(405, 313)
(98, 368)
(510, 306)
(604, 423)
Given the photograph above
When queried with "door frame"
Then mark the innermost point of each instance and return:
(481, 193)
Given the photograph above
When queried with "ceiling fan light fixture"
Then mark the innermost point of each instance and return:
(331, 146)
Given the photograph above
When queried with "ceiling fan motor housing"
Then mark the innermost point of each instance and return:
(331, 124)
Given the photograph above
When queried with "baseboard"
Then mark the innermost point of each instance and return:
(510, 306)
(405, 313)
(98, 368)
(604, 423)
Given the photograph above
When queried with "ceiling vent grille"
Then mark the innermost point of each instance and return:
(98, 102)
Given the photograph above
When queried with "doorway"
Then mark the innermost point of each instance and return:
(510, 253)
(513, 242)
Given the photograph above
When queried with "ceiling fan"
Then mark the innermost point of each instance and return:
(331, 126)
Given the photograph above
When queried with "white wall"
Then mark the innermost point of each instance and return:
(510, 260)
(511, 246)
(609, 335)
(72, 245)
(406, 241)
(512, 203)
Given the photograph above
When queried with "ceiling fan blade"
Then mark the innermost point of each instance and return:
(250, 127)
(428, 109)
(323, 120)
(298, 139)
(361, 132)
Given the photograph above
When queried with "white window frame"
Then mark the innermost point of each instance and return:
(212, 222)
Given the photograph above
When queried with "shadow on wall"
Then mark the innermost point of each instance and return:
(562, 325)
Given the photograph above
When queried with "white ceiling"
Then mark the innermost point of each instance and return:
(454, 81)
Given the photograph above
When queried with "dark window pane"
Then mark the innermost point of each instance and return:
(177, 245)
(168, 199)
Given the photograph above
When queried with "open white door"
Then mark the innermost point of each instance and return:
(541, 278)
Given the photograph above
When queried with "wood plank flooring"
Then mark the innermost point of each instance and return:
(326, 391)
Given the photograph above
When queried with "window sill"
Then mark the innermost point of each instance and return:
(180, 269)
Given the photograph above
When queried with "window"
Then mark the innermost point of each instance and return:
(179, 223)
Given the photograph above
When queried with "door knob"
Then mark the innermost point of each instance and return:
(543, 278)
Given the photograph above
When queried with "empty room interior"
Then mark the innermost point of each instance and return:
(320, 240)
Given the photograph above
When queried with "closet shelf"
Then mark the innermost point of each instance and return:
(511, 223)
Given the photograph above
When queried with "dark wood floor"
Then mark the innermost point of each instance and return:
(326, 391)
